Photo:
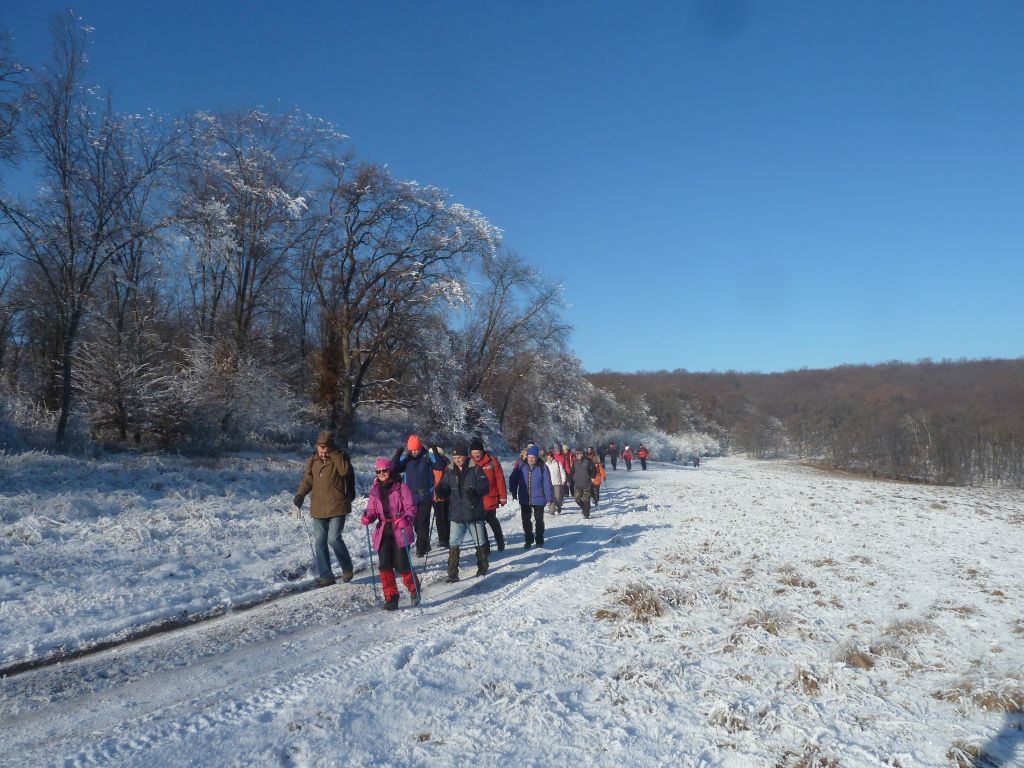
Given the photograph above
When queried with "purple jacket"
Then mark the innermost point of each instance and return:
(401, 512)
(535, 486)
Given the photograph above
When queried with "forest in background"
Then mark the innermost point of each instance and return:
(946, 422)
(240, 279)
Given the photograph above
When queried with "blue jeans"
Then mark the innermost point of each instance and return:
(327, 531)
(459, 530)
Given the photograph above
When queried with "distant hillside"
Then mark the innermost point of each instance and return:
(949, 422)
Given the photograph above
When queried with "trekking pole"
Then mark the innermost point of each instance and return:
(309, 538)
(415, 578)
(373, 576)
(430, 534)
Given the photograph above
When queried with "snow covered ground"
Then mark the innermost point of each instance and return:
(742, 614)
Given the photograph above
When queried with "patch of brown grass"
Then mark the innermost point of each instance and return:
(964, 755)
(729, 718)
(808, 682)
(1005, 696)
(643, 603)
(855, 657)
(810, 757)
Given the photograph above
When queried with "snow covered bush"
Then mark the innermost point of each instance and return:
(221, 397)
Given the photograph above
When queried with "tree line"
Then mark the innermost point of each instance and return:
(948, 422)
(233, 278)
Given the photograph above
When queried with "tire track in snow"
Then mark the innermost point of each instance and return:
(190, 711)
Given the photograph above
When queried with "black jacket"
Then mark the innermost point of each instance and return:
(465, 491)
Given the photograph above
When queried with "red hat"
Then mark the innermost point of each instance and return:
(413, 443)
(383, 463)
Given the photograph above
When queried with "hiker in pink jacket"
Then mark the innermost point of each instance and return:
(391, 505)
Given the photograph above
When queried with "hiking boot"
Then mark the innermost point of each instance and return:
(453, 565)
(391, 603)
(527, 544)
(481, 561)
(325, 582)
(346, 576)
(540, 541)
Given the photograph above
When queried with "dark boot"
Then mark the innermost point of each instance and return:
(453, 565)
(481, 561)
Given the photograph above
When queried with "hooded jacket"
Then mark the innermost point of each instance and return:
(333, 483)
(497, 493)
(465, 490)
(419, 474)
(400, 512)
(583, 472)
(533, 483)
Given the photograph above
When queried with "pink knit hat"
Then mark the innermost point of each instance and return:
(383, 463)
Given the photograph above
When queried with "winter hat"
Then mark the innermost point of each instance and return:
(476, 444)
(413, 443)
(326, 437)
(383, 463)
(460, 450)
(565, 447)
(626, 448)
(533, 450)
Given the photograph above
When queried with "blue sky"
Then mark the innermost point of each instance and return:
(754, 185)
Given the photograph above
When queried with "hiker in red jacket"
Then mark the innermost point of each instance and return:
(627, 456)
(642, 453)
(498, 494)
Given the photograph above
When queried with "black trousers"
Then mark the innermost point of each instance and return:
(421, 523)
(444, 527)
(491, 516)
(529, 514)
(391, 553)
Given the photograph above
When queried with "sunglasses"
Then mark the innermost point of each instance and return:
(383, 471)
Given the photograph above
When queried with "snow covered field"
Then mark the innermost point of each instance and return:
(742, 614)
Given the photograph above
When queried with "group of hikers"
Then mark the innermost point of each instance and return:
(463, 495)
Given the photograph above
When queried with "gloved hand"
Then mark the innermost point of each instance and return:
(365, 520)
(514, 496)
(297, 501)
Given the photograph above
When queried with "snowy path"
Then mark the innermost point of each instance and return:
(744, 614)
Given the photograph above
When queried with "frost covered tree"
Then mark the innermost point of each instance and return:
(12, 76)
(383, 253)
(242, 215)
(510, 324)
(125, 348)
(76, 225)
(219, 396)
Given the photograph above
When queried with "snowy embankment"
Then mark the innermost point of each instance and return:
(742, 614)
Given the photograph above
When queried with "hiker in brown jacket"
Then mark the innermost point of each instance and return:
(330, 477)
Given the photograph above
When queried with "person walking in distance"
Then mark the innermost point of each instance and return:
(329, 476)
(465, 486)
(600, 477)
(558, 481)
(583, 472)
(602, 453)
(642, 453)
(390, 504)
(418, 467)
(532, 481)
(627, 456)
(613, 454)
(497, 496)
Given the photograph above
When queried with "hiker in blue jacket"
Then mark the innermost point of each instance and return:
(418, 467)
(531, 484)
